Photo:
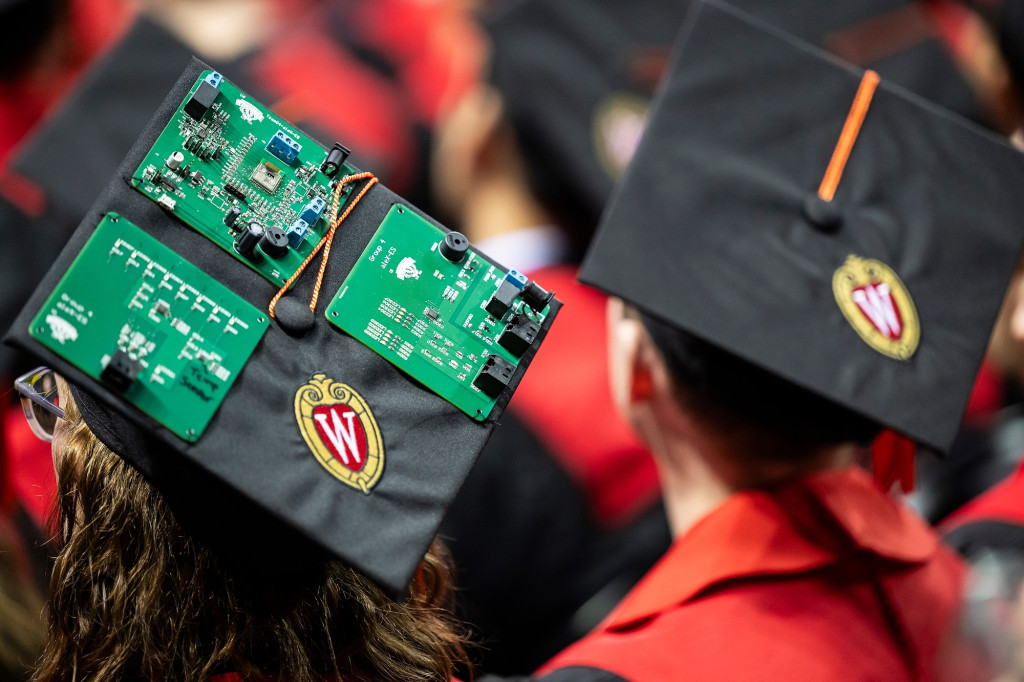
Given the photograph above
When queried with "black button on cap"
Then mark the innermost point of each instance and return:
(294, 317)
(824, 215)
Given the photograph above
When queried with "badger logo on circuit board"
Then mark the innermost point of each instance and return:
(250, 112)
(60, 329)
(407, 269)
(340, 430)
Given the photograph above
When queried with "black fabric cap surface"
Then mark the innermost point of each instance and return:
(253, 444)
(740, 136)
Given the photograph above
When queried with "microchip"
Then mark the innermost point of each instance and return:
(267, 177)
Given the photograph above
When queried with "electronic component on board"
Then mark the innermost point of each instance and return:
(454, 246)
(248, 240)
(267, 176)
(335, 160)
(121, 371)
(502, 299)
(313, 210)
(536, 296)
(174, 160)
(231, 217)
(284, 147)
(274, 242)
(519, 335)
(494, 375)
(201, 100)
(297, 232)
(235, 191)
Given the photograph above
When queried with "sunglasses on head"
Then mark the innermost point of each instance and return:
(39, 400)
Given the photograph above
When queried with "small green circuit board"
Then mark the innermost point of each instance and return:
(224, 163)
(426, 314)
(136, 316)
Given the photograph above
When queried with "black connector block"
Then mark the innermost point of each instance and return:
(502, 299)
(201, 100)
(519, 335)
(536, 296)
(121, 371)
(494, 375)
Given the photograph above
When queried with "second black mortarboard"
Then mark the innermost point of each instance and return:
(831, 228)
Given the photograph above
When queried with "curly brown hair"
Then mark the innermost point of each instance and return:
(135, 597)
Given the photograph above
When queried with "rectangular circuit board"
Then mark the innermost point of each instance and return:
(253, 184)
(429, 304)
(133, 312)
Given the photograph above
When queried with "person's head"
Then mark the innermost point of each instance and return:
(662, 373)
(560, 113)
(134, 595)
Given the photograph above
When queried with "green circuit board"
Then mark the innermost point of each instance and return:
(225, 165)
(428, 315)
(139, 318)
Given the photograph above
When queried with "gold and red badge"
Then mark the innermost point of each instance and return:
(339, 428)
(878, 306)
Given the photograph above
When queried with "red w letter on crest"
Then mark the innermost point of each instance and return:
(875, 301)
(341, 431)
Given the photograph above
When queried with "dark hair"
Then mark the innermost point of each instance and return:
(731, 393)
(134, 596)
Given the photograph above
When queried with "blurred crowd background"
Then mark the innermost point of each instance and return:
(493, 121)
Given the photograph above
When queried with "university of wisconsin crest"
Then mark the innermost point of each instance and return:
(878, 306)
(339, 428)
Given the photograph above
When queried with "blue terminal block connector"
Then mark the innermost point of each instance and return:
(284, 147)
(313, 210)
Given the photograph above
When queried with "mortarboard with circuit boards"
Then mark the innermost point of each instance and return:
(243, 305)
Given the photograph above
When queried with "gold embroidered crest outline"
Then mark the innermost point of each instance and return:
(859, 273)
(320, 390)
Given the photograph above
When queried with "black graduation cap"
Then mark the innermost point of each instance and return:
(880, 299)
(319, 445)
(71, 154)
(577, 75)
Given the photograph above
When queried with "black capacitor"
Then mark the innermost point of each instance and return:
(274, 242)
(536, 296)
(335, 160)
(231, 217)
(454, 246)
(248, 240)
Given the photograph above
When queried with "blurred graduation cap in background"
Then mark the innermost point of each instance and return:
(827, 226)
(277, 431)
(577, 77)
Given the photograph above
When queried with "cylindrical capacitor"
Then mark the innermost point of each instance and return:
(231, 217)
(536, 297)
(174, 160)
(274, 242)
(248, 240)
(454, 246)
